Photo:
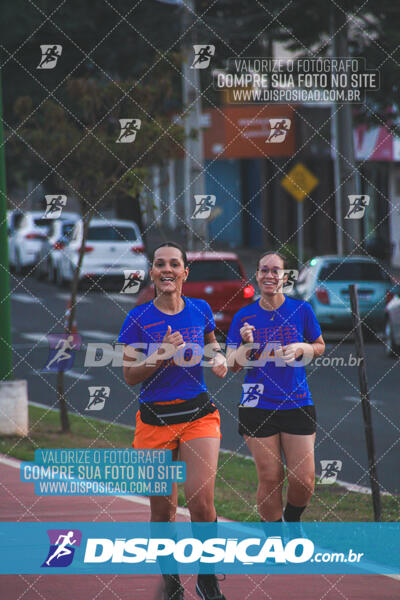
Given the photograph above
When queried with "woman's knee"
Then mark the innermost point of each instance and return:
(302, 483)
(202, 508)
(163, 512)
(270, 481)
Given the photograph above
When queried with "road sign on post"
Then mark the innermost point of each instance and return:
(299, 182)
(5, 317)
(365, 403)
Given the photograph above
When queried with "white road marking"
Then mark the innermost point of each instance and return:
(69, 373)
(79, 299)
(26, 299)
(76, 375)
(123, 298)
(36, 337)
(88, 333)
(98, 335)
(357, 400)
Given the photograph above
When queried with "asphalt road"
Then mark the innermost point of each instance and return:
(38, 308)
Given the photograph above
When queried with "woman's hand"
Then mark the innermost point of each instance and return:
(246, 333)
(291, 352)
(175, 338)
(219, 367)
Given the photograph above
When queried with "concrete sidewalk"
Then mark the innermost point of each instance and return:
(19, 503)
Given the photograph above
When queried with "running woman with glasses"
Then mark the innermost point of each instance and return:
(276, 412)
(175, 412)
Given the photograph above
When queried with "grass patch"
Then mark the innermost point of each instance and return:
(236, 485)
(45, 432)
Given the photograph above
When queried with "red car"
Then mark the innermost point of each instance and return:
(218, 278)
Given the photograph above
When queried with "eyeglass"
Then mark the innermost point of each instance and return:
(273, 271)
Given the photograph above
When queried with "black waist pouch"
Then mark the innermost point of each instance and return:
(182, 412)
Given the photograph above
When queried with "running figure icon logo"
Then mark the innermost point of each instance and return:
(129, 129)
(292, 275)
(54, 206)
(97, 397)
(251, 394)
(202, 55)
(62, 351)
(278, 130)
(330, 470)
(132, 281)
(204, 204)
(50, 55)
(62, 547)
(358, 204)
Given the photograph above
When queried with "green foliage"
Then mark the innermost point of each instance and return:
(78, 138)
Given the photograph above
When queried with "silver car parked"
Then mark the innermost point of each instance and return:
(49, 255)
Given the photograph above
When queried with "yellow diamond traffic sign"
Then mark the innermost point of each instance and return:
(299, 182)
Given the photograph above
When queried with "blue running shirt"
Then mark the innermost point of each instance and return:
(145, 325)
(282, 386)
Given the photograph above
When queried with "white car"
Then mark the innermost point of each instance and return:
(13, 218)
(50, 252)
(392, 326)
(111, 246)
(28, 235)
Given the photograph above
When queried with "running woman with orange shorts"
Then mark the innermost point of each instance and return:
(175, 411)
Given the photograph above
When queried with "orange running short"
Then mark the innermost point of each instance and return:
(168, 437)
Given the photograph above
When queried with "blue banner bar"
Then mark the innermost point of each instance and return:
(189, 548)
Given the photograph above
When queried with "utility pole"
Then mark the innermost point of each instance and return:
(193, 161)
(5, 315)
(365, 403)
(267, 169)
(345, 175)
(193, 167)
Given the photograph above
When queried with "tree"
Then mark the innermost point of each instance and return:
(77, 142)
(373, 32)
(119, 39)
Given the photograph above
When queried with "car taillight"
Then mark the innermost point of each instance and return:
(58, 246)
(35, 236)
(86, 250)
(248, 291)
(322, 295)
(389, 296)
(137, 249)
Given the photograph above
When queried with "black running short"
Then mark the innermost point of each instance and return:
(263, 422)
